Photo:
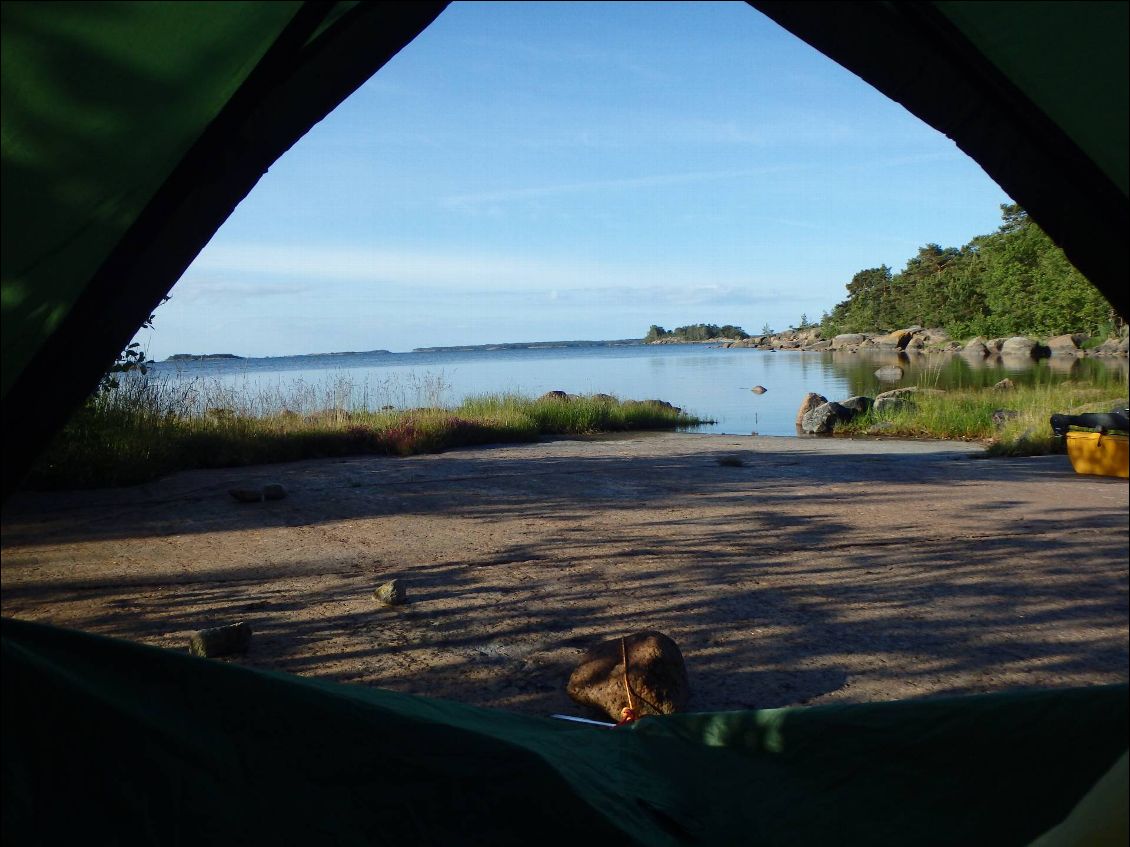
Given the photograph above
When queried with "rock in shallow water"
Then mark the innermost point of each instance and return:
(823, 419)
(810, 402)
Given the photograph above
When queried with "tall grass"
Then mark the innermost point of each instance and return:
(968, 415)
(152, 426)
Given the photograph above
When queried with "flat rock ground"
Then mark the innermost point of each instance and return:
(819, 570)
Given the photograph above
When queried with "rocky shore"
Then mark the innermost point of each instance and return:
(921, 340)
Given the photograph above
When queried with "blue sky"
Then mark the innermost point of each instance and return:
(543, 171)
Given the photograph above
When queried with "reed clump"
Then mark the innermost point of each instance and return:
(147, 427)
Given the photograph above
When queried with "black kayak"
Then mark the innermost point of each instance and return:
(1116, 420)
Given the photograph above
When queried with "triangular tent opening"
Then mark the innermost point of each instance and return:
(103, 209)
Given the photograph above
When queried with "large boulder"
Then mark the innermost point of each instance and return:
(1113, 347)
(858, 405)
(916, 344)
(810, 402)
(1020, 347)
(896, 340)
(654, 404)
(1064, 345)
(975, 348)
(847, 339)
(897, 392)
(823, 419)
(274, 491)
(897, 398)
(656, 674)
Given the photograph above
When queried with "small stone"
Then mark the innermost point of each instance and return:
(656, 674)
(1002, 416)
(220, 640)
(889, 373)
(274, 491)
(759, 389)
(392, 593)
(246, 495)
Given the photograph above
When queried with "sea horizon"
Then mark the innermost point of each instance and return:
(497, 345)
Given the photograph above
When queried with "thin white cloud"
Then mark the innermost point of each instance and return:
(225, 272)
(672, 295)
(203, 287)
(362, 264)
(625, 183)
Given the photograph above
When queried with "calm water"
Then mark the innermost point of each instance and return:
(708, 381)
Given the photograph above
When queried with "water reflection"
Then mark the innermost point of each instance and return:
(957, 371)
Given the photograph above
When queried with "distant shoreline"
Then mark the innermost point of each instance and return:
(460, 348)
(200, 357)
(531, 345)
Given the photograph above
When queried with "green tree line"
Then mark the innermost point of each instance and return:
(1014, 281)
(695, 332)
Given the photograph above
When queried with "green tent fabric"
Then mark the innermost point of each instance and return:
(113, 743)
(1035, 92)
(131, 131)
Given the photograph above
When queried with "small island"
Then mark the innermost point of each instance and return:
(200, 357)
(694, 334)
